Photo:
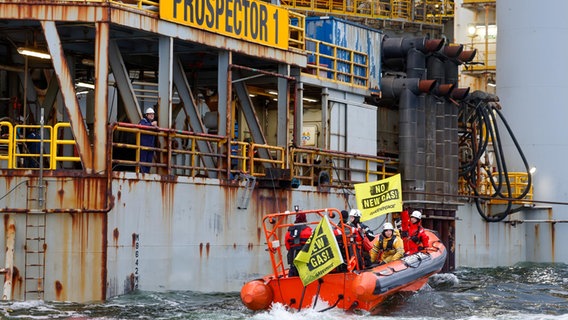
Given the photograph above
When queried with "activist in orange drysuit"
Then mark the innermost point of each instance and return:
(414, 237)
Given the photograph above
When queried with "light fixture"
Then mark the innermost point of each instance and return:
(471, 30)
(273, 93)
(532, 170)
(309, 100)
(491, 84)
(88, 62)
(85, 85)
(33, 53)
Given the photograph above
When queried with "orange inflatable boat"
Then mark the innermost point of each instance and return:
(357, 288)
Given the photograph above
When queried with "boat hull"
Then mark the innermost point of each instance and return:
(364, 290)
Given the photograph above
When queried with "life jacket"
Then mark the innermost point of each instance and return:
(390, 242)
(296, 236)
(414, 237)
(296, 241)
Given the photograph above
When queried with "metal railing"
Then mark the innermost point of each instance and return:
(21, 146)
(182, 156)
(297, 25)
(427, 11)
(244, 158)
(326, 60)
(324, 168)
(518, 182)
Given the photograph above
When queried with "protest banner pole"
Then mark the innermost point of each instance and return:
(302, 299)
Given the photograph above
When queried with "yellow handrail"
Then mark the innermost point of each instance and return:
(59, 142)
(7, 142)
(429, 11)
(297, 26)
(339, 169)
(341, 64)
(23, 157)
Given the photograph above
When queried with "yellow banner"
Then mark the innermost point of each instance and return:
(379, 197)
(319, 255)
(250, 20)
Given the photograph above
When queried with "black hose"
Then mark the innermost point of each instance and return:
(483, 123)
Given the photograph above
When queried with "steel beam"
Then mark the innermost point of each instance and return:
(166, 49)
(191, 112)
(252, 120)
(100, 142)
(283, 98)
(67, 86)
(123, 83)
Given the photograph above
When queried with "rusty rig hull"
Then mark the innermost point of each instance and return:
(246, 126)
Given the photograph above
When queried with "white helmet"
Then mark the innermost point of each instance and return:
(416, 214)
(149, 110)
(354, 213)
(388, 226)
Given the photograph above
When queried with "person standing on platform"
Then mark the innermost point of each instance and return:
(147, 140)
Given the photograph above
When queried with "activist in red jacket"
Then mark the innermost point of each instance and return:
(414, 237)
(295, 239)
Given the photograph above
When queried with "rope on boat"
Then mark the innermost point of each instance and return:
(339, 298)
(302, 299)
(320, 281)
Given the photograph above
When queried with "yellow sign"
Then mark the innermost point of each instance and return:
(379, 197)
(319, 255)
(250, 20)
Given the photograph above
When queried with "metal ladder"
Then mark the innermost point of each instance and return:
(34, 276)
(247, 193)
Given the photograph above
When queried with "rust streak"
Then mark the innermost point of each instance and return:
(134, 240)
(58, 290)
(132, 279)
(16, 280)
(115, 235)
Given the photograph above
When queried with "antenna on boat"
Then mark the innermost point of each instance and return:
(346, 192)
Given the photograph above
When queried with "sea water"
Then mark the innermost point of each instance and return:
(524, 291)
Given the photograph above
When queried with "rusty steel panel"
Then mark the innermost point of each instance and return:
(75, 236)
(55, 11)
(193, 222)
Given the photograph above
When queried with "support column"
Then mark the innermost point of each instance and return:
(224, 91)
(224, 80)
(101, 95)
(298, 114)
(283, 101)
(165, 67)
(67, 86)
(324, 136)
